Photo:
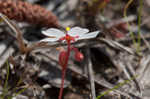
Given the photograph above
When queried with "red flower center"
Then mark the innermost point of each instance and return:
(69, 38)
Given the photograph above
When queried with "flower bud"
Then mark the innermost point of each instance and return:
(79, 56)
(62, 58)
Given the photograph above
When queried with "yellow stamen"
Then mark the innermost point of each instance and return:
(67, 28)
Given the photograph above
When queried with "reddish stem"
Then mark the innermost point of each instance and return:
(62, 83)
(64, 70)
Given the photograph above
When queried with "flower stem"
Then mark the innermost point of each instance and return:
(64, 70)
(62, 83)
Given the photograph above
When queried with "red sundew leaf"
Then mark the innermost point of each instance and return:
(79, 56)
(62, 58)
(117, 34)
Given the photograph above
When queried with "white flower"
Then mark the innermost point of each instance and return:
(75, 33)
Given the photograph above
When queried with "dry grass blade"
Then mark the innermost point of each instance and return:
(117, 45)
(16, 31)
(132, 73)
(102, 82)
(122, 20)
(90, 73)
(145, 41)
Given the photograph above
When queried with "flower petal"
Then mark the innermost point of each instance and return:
(88, 35)
(53, 32)
(77, 31)
(49, 40)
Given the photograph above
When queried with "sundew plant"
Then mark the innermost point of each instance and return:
(71, 35)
